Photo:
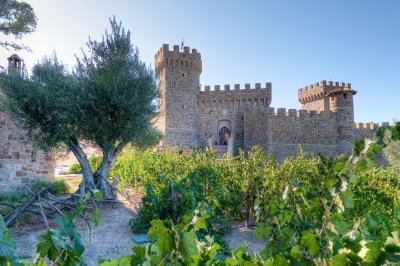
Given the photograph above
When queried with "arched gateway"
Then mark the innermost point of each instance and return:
(224, 134)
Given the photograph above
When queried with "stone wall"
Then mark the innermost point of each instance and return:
(16, 165)
(365, 130)
(280, 133)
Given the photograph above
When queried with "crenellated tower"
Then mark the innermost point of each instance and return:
(336, 97)
(178, 76)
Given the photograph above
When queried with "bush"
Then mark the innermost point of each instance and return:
(75, 168)
(94, 162)
(56, 187)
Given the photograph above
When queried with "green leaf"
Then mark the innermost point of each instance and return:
(160, 232)
(296, 252)
(392, 248)
(348, 199)
(340, 224)
(373, 253)
(188, 244)
(351, 244)
(262, 231)
(139, 255)
(340, 260)
(310, 241)
(359, 147)
(374, 149)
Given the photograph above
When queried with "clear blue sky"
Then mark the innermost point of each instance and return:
(289, 43)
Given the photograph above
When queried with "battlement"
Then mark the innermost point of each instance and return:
(296, 114)
(236, 96)
(236, 87)
(175, 58)
(320, 90)
(370, 125)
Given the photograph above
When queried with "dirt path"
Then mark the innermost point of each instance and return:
(113, 237)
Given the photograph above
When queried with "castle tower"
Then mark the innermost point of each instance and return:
(341, 103)
(336, 97)
(178, 77)
(14, 64)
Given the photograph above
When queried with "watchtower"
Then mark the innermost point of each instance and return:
(178, 76)
(14, 64)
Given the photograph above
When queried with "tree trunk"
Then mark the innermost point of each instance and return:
(87, 183)
(97, 180)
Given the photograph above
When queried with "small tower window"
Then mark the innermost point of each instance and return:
(206, 134)
(345, 95)
(182, 107)
(237, 136)
(345, 119)
(174, 82)
(183, 74)
(242, 118)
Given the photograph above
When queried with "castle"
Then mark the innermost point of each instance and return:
(228, 118)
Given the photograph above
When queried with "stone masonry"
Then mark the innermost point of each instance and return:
(16, 165)
(241, 117)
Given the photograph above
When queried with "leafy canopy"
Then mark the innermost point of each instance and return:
(16, 19)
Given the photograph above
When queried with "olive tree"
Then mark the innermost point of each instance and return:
(16, 19)
(108, 100)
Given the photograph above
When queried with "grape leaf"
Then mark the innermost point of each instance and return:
(339, 260)
(310, 241)
(160, 232)
(188, 244)
(347, 198)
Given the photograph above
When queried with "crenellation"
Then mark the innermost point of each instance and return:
(217, 87)
(258, 86)
(292, 112)
(303, 113)
(227, 87)
(247, 86)
(281, 111)
(237, 87)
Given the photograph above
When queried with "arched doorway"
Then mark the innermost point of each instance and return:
(224, 135)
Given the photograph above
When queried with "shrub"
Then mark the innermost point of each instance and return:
(75, 168)
(94, 162)
(56, 187)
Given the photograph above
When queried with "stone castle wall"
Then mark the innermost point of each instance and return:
(16, 165)
(280, 133)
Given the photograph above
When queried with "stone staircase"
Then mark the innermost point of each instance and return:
(221, 150)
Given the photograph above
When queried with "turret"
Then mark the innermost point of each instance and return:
(341, 102)
(336, 97)
(14, 64)
(178, 75)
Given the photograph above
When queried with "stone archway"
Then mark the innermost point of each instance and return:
(224, 134)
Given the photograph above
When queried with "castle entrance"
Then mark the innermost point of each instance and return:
(224, 135)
